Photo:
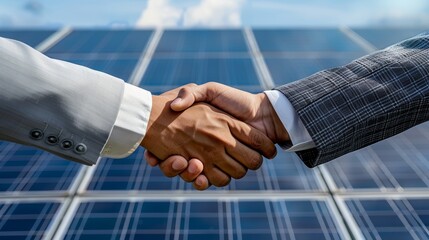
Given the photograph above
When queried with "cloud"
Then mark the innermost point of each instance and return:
(160, 13)
(34, 7)
(214, 13)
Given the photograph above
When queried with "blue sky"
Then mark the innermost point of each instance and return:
(213, 13)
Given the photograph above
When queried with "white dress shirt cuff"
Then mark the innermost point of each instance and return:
(131, 123)
(300, 138)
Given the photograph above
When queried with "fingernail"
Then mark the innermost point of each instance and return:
(176, 101)
(177, 166)
(199, 182)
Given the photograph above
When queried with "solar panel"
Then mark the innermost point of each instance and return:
(384, 37)
(27, 219)
(115, 52)
(388, 217)
(169, 73)
(208, 219)
(397, 164)
(202, 41)
(285, 172)
(102, 41)
(286, 69)
(304, 40)
(27, 170)
(30, 37)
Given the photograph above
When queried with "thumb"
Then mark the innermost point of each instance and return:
(186, 97)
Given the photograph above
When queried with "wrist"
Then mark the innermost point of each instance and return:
(275, 129)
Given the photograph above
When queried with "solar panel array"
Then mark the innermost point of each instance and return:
(380, 192)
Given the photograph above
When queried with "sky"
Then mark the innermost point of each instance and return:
(212, 13)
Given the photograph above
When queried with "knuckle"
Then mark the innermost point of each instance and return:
(256, 140)
(190, 85)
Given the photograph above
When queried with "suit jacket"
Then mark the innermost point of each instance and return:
(368, 100)
(54, 105)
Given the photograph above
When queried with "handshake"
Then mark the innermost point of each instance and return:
(211, 133)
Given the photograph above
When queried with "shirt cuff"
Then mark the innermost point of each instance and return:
(299, 136)
(131, 123)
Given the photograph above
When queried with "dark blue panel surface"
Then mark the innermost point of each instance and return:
(304, 40)
(30, 37)
(385, 37)
(300, 219)
(24, 169)
(26, 220)
(116, 65)
(288, 69)
(285, 172)
(391, 219)
(399, 163)
(103, 41)
(201, 41)
(175, 72)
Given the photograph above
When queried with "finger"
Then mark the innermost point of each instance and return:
(245, 155)
(174, 92)
(253, 138)
(185, 98)
(216, 176)
(194, 169)
(230, 166)
(201, 183)
(151, 159)
(173, 166)
(192, 93)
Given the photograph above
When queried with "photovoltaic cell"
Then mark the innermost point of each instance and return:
(397, 164)
(26, 220)
(219, 219)
(404, 218)
(384, 37)
(202, 41)
(304, 40)
(30, 37)
(24, 169)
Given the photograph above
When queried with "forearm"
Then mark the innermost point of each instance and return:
(368, 100)
(61, 99)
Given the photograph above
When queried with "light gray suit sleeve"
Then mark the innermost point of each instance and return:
(60, 107)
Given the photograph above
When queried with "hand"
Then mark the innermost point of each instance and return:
(223, 144)
(254, 109)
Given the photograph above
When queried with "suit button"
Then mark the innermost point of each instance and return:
(51, 140)
(36, 134)
(80, 148)
(66, 144)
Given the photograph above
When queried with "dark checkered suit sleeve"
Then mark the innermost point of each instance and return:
(366, 101)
